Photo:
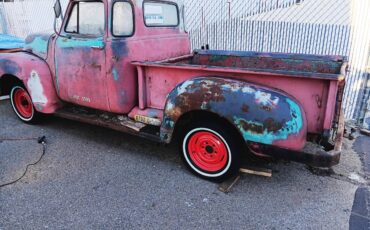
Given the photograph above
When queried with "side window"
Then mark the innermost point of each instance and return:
(161, 14)
(72, 21)
(87, 18)
(123, 19)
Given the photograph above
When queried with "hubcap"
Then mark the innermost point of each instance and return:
(208, 151)
(23, 103)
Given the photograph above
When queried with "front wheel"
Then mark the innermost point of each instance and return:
(211, 150)
(22, 104)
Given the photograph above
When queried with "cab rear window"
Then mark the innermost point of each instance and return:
(161, 14)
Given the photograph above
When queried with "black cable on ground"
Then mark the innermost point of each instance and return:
(40, 140)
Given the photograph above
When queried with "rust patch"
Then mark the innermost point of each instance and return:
(174, 113)
(196, 96)
(245, 108)
(251, 127)
(272, 126)
(266, 108)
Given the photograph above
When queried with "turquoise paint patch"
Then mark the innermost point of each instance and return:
(38, 45)
(152, 113)
(78, 43)
(293, 126)
(10, 42)
(115, 74)
(39, 107)
(169, 123)
(110, 25)
(297, 122)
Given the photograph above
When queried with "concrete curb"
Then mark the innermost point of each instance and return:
(360, 214)
(365, 132)
(360, 211)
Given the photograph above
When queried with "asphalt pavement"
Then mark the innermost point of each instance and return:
(95, 178)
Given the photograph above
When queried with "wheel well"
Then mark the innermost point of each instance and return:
(199, 115)
(7, 82)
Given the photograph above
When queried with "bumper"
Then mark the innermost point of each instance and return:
(311, 155)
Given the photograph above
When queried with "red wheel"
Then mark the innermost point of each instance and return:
(208, 150)
(211, 150)
(22, 104)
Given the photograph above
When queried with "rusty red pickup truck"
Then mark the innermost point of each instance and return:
(127, 65)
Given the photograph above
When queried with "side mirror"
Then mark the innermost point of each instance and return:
(58, 14)
(57, 9)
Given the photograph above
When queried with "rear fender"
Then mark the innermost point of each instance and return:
(260, 114)
(36, 77)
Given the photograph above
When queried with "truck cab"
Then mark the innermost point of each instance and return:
(98, 41)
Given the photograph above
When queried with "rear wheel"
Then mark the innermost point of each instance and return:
(211, 150)
(22, 104)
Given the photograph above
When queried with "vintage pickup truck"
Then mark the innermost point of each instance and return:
(127, 65)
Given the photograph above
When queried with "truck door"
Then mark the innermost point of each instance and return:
(80, 56)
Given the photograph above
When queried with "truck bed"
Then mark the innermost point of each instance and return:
(287, 64)
(317, 82)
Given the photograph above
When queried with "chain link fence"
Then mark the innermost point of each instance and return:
(325, 27)
(291, 26)
(26, 17)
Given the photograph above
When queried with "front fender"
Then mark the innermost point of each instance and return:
(261, 114)
(36, 77)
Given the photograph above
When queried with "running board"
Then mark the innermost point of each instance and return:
(116, 122)
(4, 98)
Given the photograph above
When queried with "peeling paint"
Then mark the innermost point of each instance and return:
(80, 43)
(39, 107)
(36, 77)
(9, 66)
(115, 74)
(170, 106)
(184, 87)
(38, 45)
(269, 61)
(261, 133)
(36, 90)
(264, 99)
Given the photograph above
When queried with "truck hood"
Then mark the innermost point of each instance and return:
(38, 44)
(10, 42)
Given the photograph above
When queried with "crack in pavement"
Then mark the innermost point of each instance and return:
(359, 215)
